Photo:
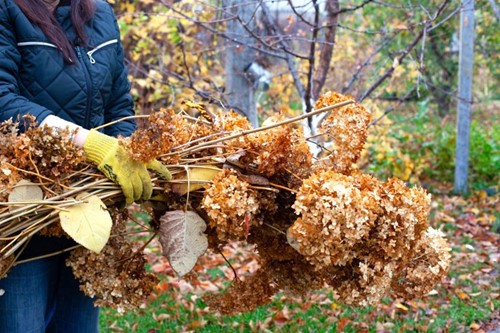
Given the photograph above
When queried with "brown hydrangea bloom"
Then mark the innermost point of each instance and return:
(404, 220)
(428, 265)
(244, 296)
(298, 162)
(266, 151)
(362, 282)
(336, 214)
(53, 230)
(357, 232)
(42, 150)
(199, 130)
(162, 131)
(231, 122)
(231, 206)
(346, 127)
(51, 150)
(9, 177)
(116, 277)
(296, 277)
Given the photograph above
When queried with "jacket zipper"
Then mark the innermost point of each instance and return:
(88, 85)
(98, 47)
(36, 44)
(85, 69)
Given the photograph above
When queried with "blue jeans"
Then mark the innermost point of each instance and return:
(42, 296)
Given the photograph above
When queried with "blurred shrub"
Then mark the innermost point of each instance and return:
(422, 150)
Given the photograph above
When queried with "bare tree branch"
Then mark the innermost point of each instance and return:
(404, 54)
(396, 6)
(452, 14)
(365, 32)
(495, 8)
(352, 9)
(308, 97)
(259, 39)
(392, 108)
(367, 61)
(273, 27)
(300, 16)
(221, 33)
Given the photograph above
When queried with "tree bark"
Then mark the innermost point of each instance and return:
(464, 105)
(240, 90)
(325, 57)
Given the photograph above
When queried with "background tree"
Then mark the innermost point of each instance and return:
(467, 23)
(388, 54)
(240, 88)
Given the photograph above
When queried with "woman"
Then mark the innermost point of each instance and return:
(62, 62)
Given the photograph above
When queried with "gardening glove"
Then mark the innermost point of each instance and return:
(113, 160)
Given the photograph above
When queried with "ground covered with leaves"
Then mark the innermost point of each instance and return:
(468, 299)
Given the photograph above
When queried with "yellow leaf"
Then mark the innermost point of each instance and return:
(197, 178)
(474, 326)
(462, 295)
(401, 307)
(88, 223)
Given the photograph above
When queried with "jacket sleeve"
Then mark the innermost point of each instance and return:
(12, 104)
(121, 103)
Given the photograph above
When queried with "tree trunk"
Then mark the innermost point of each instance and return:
(240, 90)
(464, 105)
(326, 53)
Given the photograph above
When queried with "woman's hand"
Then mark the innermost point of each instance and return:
(113, 160)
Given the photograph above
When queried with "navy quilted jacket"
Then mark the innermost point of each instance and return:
(35, 79)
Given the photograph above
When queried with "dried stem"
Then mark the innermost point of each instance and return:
(255, 130)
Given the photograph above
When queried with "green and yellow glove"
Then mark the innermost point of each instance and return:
(114, 161)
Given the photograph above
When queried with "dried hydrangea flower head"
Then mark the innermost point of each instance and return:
(336, 216)
(231, 206)
(429, 263)
(280, 152)
(404, 221)
(346, 127)
(268, 150)
(231, 122)
(363, 282)
(116, 277)
(299, 160)
(162, 131)
(357, 231)
(43, 150)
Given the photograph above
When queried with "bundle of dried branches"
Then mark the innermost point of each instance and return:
(314, 220)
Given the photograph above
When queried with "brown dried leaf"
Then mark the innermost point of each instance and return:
(255, 180)
(182, 239)
(25, 191)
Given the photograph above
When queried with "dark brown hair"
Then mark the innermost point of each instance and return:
(38, 13)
